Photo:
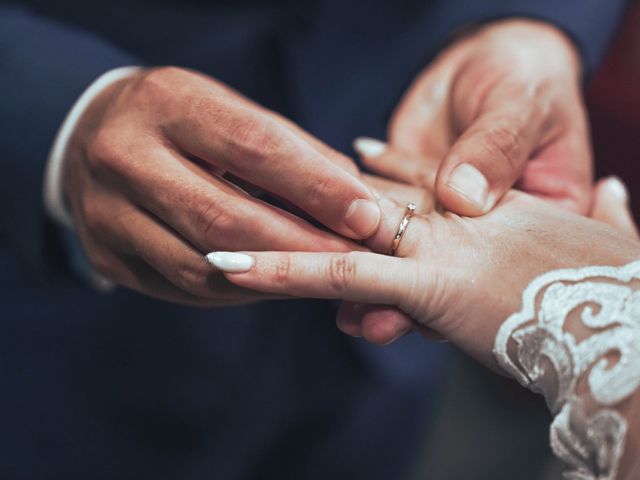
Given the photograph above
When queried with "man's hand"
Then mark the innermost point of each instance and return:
(148, 180)
(500, 106)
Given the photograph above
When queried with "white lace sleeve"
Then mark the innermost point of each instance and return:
(577, 342)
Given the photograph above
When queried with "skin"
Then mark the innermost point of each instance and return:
(458, 277)
(450, 268)
(159, 172)
(171, 164)
(505, 98)
(154, 171)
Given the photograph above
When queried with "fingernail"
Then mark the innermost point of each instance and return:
(369, 147)
(230, 261)
(399, 334)
(362, 217)
(394, 339)
(617, 188)
(470, 183)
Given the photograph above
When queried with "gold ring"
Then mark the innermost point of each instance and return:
(411, 209)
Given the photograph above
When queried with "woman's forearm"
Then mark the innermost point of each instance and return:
(576, 341)
(575, 338)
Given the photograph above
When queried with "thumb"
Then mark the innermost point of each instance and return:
(490, 155)
(611, 206)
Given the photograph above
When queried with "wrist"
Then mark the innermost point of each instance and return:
(540, 47)
(575, 342)
(53, 192)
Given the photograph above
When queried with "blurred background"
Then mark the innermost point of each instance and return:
(613, 99)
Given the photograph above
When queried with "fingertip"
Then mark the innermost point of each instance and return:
(465, 191)
(451, 200)
(368, 147)
(363, 218)
(610, 195)
(611, 205)
(348, 318)
(391, 217)
(615, 187)
(383, 325)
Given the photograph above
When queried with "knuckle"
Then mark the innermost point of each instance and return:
(254, 139)
(320, 191)
(103, 264)
(282, 272)
(163, 93)
(160, 81)
(102, 151)
(427, 299)
(190, 278)
(503, 145)
(214, 219)
(341, 270)
(107, 157)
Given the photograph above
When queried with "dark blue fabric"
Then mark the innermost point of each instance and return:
(121, 386)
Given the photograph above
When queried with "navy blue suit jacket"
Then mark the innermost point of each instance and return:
(121, 386)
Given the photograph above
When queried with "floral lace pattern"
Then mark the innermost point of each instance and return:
(578, 378)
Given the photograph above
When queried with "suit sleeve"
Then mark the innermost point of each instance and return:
(590, 23)
(44, 67)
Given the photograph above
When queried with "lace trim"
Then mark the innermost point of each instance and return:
(534, 347)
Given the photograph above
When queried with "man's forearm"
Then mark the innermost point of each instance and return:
(45, 68)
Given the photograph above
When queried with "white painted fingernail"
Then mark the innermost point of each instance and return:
(230, 261)
(617, 188)
(369, 147)
(470, 183)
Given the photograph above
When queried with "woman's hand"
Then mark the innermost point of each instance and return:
(383, 324)
(460, 277)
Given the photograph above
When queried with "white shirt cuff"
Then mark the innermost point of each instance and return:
(53, 192)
